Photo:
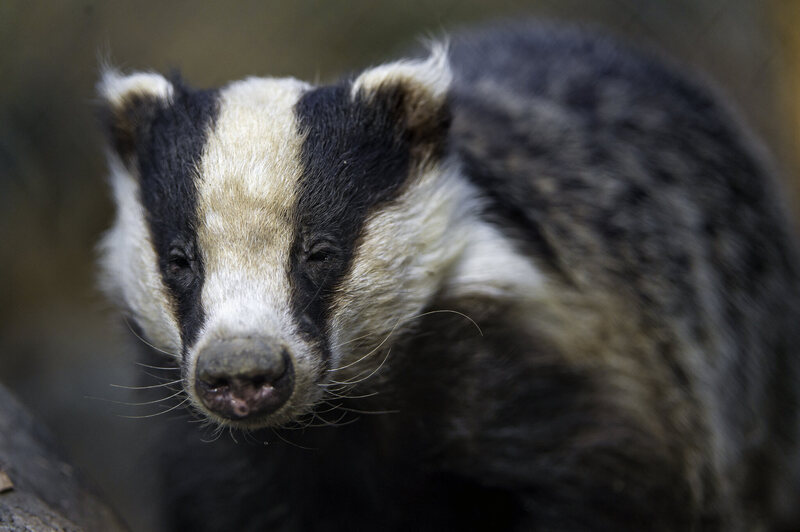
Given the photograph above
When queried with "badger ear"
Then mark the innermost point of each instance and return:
(415, 89)
(130, 102)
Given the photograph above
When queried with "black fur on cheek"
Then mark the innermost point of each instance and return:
(183, 274)
(357, 154)
(167, 150)
(320, 263)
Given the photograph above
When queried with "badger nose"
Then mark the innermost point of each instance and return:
(247, 377)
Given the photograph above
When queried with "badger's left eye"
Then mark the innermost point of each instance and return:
(322, 251)
(320, 258)
(319, 255)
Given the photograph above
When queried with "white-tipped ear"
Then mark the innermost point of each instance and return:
(117, 88)
(414, 94)
(429, 78)
(130, 102)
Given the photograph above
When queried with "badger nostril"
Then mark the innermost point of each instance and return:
(215, 384)
(243, 377)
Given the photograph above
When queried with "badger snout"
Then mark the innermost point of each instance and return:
(244, 378)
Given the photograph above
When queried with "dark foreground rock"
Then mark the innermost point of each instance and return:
(39, 490)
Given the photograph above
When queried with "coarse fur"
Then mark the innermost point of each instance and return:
(536, 281)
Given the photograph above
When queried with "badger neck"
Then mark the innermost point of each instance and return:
(453, 255)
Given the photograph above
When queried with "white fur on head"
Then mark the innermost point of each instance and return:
(117, 88)
(248, 176)
(130, 274)
(248, 180)
(128, 260)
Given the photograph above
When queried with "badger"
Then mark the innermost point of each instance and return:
(530, 280)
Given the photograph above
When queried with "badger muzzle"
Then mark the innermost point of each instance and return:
(244, 378)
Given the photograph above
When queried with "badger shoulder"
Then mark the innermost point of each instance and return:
(635, 184)
(617, 167)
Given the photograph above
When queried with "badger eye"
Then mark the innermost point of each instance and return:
(178, 263)
(321, 252)
(320, 255)
(321, 260)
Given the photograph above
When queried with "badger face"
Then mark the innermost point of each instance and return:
(272, 235)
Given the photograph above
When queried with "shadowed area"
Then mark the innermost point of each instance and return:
(39, 490)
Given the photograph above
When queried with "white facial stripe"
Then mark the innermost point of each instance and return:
(250, 169)
(246, 192)
(249, 173)
(130, 265)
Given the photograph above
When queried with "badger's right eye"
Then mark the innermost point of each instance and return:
(178, 263)
(180, 266)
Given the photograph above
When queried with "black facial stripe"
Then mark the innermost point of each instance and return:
(356, 155)
(168, 150)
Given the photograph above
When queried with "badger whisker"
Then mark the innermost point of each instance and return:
(373, 372)
(357, 338)
(158, 377)
(376, 348)
(396, 325)
(342, 396)
(300, 423)
(145, 342)
(159, 413)
(248, 436)
(162, 385)
(450, 311)
(164, 368)
(287, 442)
(215, 435)
(340, 423)
(336, 423)
(314, 419)
(331, 408)
(134, 404)
(368, 412)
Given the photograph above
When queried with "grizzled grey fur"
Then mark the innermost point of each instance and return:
(647, 191)
(649, 382)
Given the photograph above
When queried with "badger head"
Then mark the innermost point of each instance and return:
(276, 236)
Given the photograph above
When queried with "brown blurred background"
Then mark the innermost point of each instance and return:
(60, 343)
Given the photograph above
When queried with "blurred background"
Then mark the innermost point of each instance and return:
(61, 345)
